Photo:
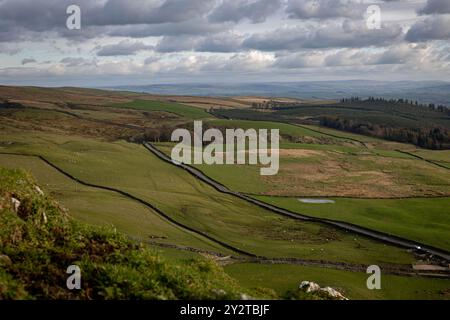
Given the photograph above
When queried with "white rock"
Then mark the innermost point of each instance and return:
(309, 286)
(38, 190)
(15, 204)
(245, 297)
(333, 293)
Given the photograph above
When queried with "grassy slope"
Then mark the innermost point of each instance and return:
(424, 220)
(114, 268)
(176, 108)
(404, 287)
(39, 242)
(438, 155)
(283, 278)
(104, 208)
(247, 178)
(285, 129)
(382, 113)
(199, 206)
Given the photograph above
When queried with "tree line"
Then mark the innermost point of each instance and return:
(437, 138)
(401, 101)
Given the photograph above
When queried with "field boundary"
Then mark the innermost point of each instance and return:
(348, 197)
(353, 267)
(218, 116)
(423, 159)
(244, 257)
(141, 201)
(377, 235)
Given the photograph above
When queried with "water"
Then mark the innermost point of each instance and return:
(316, 201)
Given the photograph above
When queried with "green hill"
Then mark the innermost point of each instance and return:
(38, 241)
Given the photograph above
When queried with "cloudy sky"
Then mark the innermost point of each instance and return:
(167, 41)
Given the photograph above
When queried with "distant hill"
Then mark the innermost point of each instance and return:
(437, 92)
(407, 121)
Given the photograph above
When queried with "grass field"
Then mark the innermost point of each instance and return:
(423, 220)
(314, 161)
(337, 170)
(199, 206)
(284, 278)
(104, 208)
(439, 155)
(399, 114)
(287, 131)
(38, 240)
(176, 108)
(328, 170)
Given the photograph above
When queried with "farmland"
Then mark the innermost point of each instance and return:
(175, 108)
(95, 143)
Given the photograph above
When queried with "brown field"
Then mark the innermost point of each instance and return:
(251, 99)
(325, 173)
(302, 171)
(63, 95)
(47, 97)
(208, 103)
(94, 122)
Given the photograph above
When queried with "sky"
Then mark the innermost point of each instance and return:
(136, 42)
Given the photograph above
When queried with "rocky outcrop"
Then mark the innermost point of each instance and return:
(312, 287)
(333, 293)
(309, 286)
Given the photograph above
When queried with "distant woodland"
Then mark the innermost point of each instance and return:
(401, 120)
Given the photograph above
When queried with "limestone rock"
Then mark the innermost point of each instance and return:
(333, 293)
(15, 204)
(38, 190)
(309, 286)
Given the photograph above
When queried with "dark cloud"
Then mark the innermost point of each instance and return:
(28, 60)
(237, 10)
(224, 42)
(334, 35)
(192, 27)
(76, 62)
(20, 18)
(436, 7)
(123, 48)
(324, 9)
(174, 44)
(436, 27)
(119, 12)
